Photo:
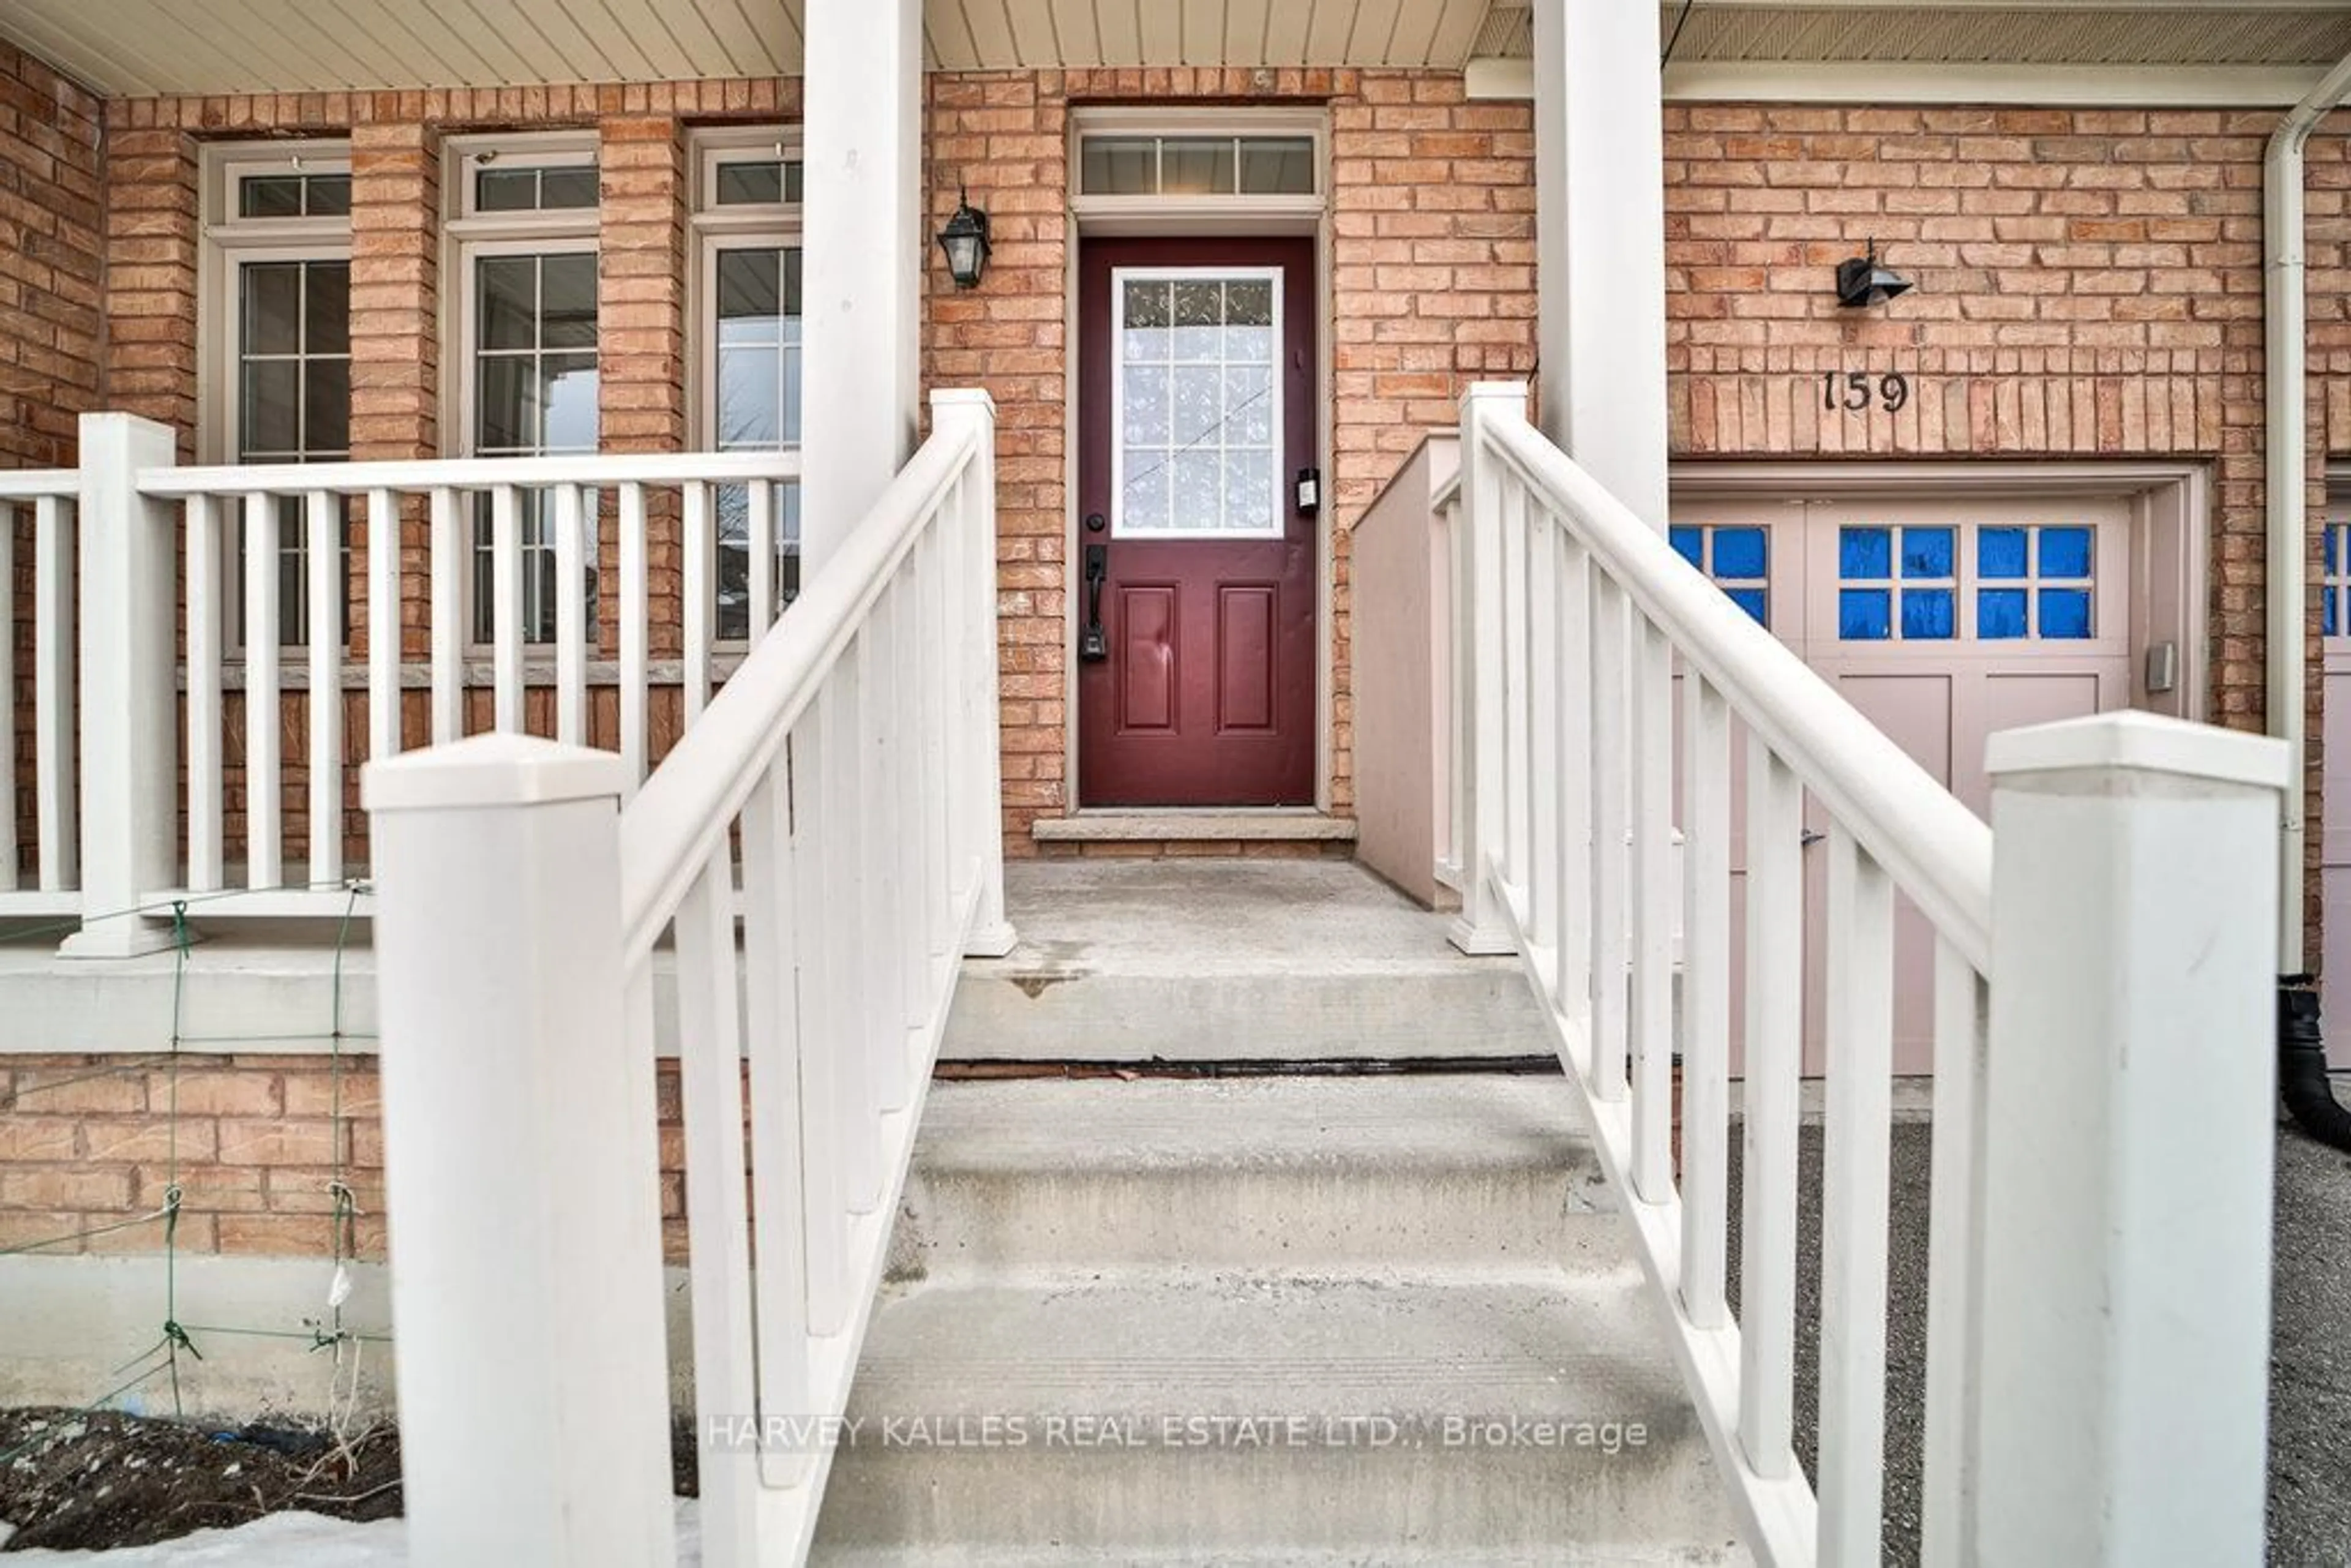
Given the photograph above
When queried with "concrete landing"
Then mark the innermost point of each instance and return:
(1229, 960)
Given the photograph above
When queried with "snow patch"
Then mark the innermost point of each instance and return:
(294, 1540)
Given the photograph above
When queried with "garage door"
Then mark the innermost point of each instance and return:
(2335, 809)
(1943, 621)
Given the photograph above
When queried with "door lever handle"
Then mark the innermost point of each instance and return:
(1094, 642)
(1809, 838)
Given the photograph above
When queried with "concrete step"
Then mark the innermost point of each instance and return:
(1229, 960)
(1531, 1418)
(1404, 1174)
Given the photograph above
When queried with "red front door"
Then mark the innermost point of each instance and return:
(1194, 570)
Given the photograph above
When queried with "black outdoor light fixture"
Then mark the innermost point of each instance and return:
(1862, 282)
(965, 239)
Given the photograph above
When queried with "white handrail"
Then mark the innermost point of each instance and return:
(2123, 920)
(1938, 851)
(669, 831)
(823, 848)
(475, 473)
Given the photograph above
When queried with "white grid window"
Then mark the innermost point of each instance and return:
(748, 349)
(279, 366)
(1196, 403)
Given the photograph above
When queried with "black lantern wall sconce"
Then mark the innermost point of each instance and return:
(1862, 282)
(965, 239)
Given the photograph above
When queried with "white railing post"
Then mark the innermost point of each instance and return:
(520, 1161)
(129, 767)
(953, 409)
(2128, 1137)
(1478, 618)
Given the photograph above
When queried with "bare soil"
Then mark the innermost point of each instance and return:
(90, 1480)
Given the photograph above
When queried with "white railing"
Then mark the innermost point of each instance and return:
(37, 516)
(576, 597)
(842, 794)
(2096, 1343)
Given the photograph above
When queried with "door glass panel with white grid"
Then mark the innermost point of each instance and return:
(1197, 402)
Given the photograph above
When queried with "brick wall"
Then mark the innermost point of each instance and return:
(49, 284)
(49, 293)
(92, 1143)
(1432, 271)
(2089, 286)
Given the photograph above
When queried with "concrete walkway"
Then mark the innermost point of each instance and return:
(2310, 1379)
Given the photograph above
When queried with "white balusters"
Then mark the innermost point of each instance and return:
(1860, 937)
(205, 609)
(711, 1081)
(1610, 826)
(828, 1001)
(323, 598)
(1573, 984)
(56, 778)
(383, 570)
(571, 609)
(1775, 1013)
(1706, 1000)
(633, 634)
(263, 767)
(451, 564)
(507, 608)
(699, 594)
(1954, 1256)
(1654, 897)
(771, 935)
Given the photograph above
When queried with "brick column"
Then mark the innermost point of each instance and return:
(150, 278)
(640, 350)
(396, 340)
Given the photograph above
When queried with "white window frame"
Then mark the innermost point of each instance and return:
(1120, 276)
(229, 243)
(716, 229)
(469, 236)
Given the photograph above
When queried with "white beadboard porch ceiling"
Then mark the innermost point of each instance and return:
(141, 46)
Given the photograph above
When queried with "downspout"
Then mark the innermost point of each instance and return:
(2301, 1055)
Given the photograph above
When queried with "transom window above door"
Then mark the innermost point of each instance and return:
(1126, 164)
(1196, 404)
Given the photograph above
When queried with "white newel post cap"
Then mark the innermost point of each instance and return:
(963, 398)
(2140, 743)
(490, 770)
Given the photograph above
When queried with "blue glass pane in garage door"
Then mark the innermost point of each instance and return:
(2064, 612)
(1751, 600)
(1999, 613)
(1691, 544)
(1863, 615)
(2065, 552)
(1864, 553)
(1926, 552)
(1740, 553)
(1925, 612)
(2329, 537)
(2327, 596)
(1999, 552)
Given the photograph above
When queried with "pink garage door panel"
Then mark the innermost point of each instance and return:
(2334, 809)
(1943, 623)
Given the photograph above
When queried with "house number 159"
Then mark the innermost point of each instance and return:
(1856, 390)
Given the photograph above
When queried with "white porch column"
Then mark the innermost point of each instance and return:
(861, 259)
(2123, 1382)
(1600, 210)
